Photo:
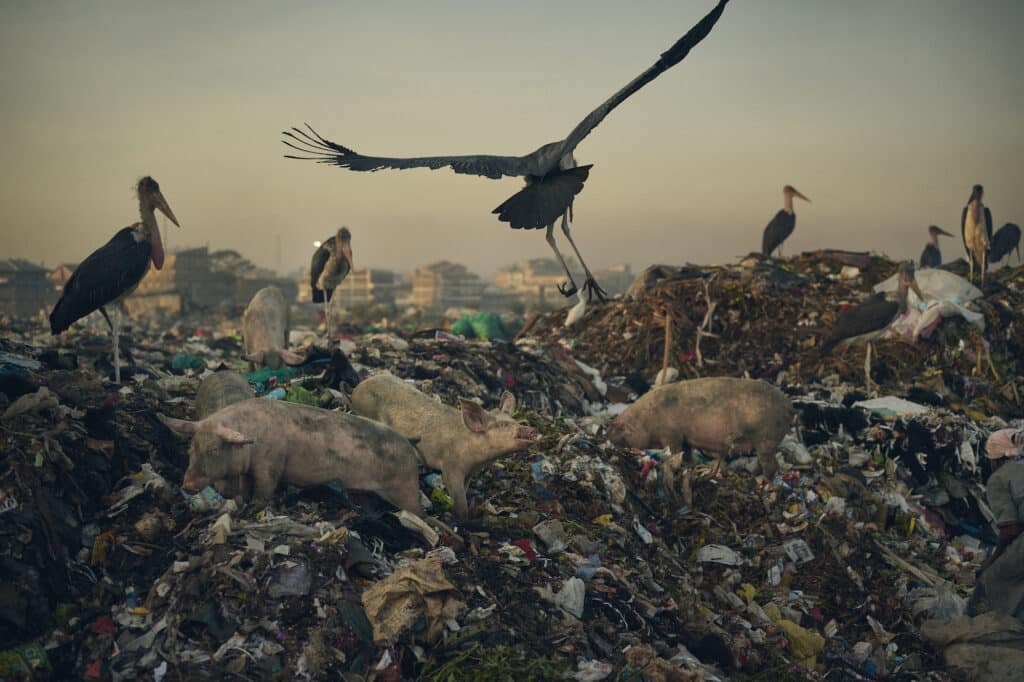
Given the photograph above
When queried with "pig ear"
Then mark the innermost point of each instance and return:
(508, 403)
(255, 357)
(291, 358)
(181, 427)
(473, 416)
(231, 436)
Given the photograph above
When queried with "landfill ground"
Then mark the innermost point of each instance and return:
(582, 560)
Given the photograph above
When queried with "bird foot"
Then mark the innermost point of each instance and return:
(567, 290)
(591, 288)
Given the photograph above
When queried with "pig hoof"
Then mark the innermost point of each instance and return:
(567, 290)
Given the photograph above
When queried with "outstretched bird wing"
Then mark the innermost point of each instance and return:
(321, 150)
(108, 272)
(668, 59)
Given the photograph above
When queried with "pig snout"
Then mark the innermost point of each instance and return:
(194, 482)
(618, 433)
(527, 435)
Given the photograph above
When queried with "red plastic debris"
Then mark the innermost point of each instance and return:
(527, 548)
(102, 626)
(93, 671)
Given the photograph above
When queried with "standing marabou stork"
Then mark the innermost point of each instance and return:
(976, 229)
(332, 261)
(112, 272)
(868, 320)
(931, 257)
(782, 225)
(1005, 240)
(552, 177)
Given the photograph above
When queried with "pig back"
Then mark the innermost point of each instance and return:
(265, 322)
(220, 390)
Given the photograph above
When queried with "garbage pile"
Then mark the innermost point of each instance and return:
(767, 320)
(581, 560)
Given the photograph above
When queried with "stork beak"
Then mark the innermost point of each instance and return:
(161, 204)
(796, 193)
(346, 251)
(943, 232)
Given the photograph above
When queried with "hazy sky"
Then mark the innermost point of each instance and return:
(884, 112)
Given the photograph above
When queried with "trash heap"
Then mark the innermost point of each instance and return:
(584, 561)
(768, 320)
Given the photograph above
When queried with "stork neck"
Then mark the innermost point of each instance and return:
(934, 240)
(148, 215)
(789, 203)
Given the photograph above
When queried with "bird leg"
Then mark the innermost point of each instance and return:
(590, 287)
(327, 319)
(117, 343)
(867, 366)
(571, 289)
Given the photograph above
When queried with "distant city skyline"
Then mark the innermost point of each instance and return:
(884, 114)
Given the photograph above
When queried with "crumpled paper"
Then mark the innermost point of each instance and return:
(394, 603)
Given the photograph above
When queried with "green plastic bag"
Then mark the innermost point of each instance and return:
(488, 326)
(298, 394)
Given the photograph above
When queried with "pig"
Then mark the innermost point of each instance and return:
(267, 442)
(265, 331)
(721, 415)
(457, 443)
(220, 390)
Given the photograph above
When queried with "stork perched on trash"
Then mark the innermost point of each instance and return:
(1005, 240)
(332, 261)
(552, 177)
(976, 229)
(113, 271)
(868, 320)
(783, 224)
(931, 257)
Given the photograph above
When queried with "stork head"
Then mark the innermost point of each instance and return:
(151, 198)
(977, 192)
(935, 231)
(791, 191)
(344, 244)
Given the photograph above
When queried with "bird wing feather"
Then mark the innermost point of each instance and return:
(873, 314)
(668, 59)
(105, 275)
(316, 266)
(777, 231)
(319, 149)
(543, 202)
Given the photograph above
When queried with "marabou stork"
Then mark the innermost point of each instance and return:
(931, 257)
(332, 261)
(782, 225)
(112, 272)
(552, 177)
(976, 230)
(866, 321)
(1005, 240)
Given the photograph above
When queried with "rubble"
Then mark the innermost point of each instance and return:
(581, 561)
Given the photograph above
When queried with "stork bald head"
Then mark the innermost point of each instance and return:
(791, 191)
(935, 231)
(977, 192)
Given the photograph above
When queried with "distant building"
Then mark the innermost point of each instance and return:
(60, 275)
(536, 280)
(24, 288)
(615, 280)
(367, 287)
(446, 285)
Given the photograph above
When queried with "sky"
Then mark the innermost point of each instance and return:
(883, 113)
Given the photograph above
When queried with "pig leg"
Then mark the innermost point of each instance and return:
(766, 456)
(265, 477)
(455, 481)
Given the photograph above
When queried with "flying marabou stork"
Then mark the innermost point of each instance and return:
(931, 257)
(782, 225)
(976, 230)
(1005, 240)
(552, 177)
(332, 261)
(112, 272)
(866, 321)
